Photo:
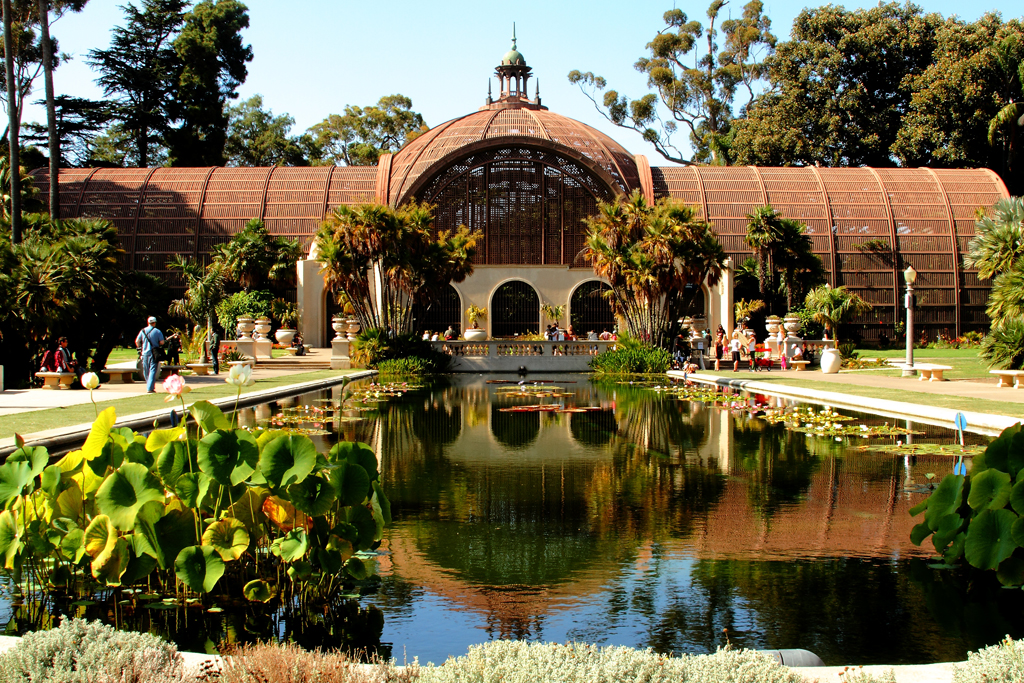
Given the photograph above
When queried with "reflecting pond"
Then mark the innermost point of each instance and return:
(617, 514)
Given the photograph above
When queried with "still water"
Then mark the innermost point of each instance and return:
(656, 522)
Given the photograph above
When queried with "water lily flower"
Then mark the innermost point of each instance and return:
(240, 376)
(175, 387)
(90, 380)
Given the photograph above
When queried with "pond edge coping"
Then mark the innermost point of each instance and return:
(62, 436)
(979, 423)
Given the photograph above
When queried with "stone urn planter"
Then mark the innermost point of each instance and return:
(773, 324)
(245, 327)
(284, 336)
(830, 361)
(792, 323)
(353, 328)
(339, 325)
(698, 323)
(474, 334)
(263, 328)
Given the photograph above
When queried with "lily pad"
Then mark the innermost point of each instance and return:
(314, 496)
(257, 591)
(989, 490)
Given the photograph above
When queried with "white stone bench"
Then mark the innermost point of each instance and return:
(200, 368)
(120, 375)
(928, 371)
(1005, 377)
(800, 365)
(168, 370)
(56, 380)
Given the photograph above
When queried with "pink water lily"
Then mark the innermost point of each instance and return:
(175, 387)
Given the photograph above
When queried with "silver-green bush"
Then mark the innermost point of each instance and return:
(79, 651)
(515, 661)
(1002, 663)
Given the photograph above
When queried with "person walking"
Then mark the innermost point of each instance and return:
(215, 350)
(148, 342)
(734, 346)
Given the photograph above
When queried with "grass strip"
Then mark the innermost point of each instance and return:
(52, 418)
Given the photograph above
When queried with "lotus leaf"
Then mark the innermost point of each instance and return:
(199, 568)
(228, 537)
(71, 462)
(292, 546)
(69, 503)
(209, 417)
(59, 578)
(358, 454)
(174, 531)
(330, 561)
(945, 500)
(381, 502)
(139, 567)
(281, 513)
(362, 520)
(990, 538)
(1011, 572)
(257, 591)
(268, 436)
(357, 569)
(159, 438)
(949, 527)
(989, 490)
(112, 563)
(346, 531)
(1015, 454)
(220, 454)
(50, 480)
(300, 571)
(192, 488)
(342, 546)
(99, 434)
(1017, 531)
(173, 462)
(15, 481)
(287, 460)
(956, 549)
(99, 536)
(314, 496)
(125, 491)
(111, 456)
(10, 538)
(38, 457)
(135, 451)
(72, 546)
(1017, 496)
(248, 509)
(351, 483)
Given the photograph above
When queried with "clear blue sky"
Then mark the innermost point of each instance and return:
(312, 57)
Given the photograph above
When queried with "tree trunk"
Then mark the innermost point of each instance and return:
(51, 112)
(14, 110)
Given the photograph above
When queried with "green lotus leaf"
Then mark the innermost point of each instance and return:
(15, 481)
(125, 491)
(1011, 572)
(110, 565)
(949, 527)
(139, 567)
(248, 509)
(110, 458)
(228, 537)
(341, 546)
(60, 577)
(1015, 455)
(292, 546)
(249, 457)
(998, 452)
(209, 417)
(381, 502)
(990, 538)
(268, 437)
(314, 496)
(1017, 531)
(164, 538)
(49, 482)
(346, 531)
(72, 546)
(956, 549)
(37, 456)
(159, 438)
(351, 483)
(300, 571)
(1017, 496)
(173, 462)
(219, 455)
(945, 500)
(330, 560)
(287, 460)
(362, 520)
(357, 569)
(192, 488)
(357, 454)
(989, 490)
(100, 536)
(69, 503)
(135, 451)
(257, 591)
(10, 538)
(99, 434)
(199, 567)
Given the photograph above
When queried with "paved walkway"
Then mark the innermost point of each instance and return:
(14, 401)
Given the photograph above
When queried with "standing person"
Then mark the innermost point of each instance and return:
(215, 350)
(148, 342)
(719, 348)
(752, 350)
(173, 349)
(680, 347)
(734, 346)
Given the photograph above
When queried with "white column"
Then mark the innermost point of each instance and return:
(726, 310)
(310, 296)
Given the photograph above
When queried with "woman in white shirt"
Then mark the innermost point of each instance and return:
(735, 345)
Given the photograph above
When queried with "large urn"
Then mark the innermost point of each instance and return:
(474, 334)
(772, 324)
(830, 361)
(262, 328)
(245, 327)
(352, 326)
(284, 336)
(698, 323)
(792, 323)
(339, 325)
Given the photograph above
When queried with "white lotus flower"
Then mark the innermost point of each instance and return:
(240, 376)
(90, 380)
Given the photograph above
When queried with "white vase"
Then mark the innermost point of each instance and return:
(262, 328)
(475, 334)
(339, 325)
(245, 327)
(830, 361)
(284, 336)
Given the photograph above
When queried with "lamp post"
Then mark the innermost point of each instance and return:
(910, 275)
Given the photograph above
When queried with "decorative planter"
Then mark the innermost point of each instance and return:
(773, 324)
(792, 323)
(284, 336)
(262, 328)
(339, 326)
(353, 328)
(698, 323)
(245, 328)
(475, 334)
(830, 361)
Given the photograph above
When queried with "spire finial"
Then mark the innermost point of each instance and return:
(513, 35)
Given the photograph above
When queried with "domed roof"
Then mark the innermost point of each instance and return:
(525, 124)
(513, 58)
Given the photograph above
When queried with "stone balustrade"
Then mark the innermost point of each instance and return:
(506, 355)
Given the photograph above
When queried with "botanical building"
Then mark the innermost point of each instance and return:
(525, 177)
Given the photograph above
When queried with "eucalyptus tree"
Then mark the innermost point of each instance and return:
(398, 248)
(649, 253)
(833, 306)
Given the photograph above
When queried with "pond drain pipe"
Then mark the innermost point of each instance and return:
(795, 657)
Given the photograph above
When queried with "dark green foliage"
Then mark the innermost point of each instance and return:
(1003, 347)
(258, 138)
(634, 359)
(976, 517)
(360, 135)
(78, 122)
(403, 366)
(255, 304)
(403, 354)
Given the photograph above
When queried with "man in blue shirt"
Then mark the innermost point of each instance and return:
(147, 342)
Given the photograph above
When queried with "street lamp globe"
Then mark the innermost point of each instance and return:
(910, 275)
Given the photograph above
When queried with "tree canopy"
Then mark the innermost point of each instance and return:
(360, 135)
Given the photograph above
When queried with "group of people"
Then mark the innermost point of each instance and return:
(688, 352)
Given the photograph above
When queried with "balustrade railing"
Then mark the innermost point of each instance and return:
(505, 347)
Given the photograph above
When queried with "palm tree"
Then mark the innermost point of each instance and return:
(999, 239)
(1008, 56)
(764, 235)
(649, 254)
(253, 258)
(833, 306)
(204, 289)
(795, 256)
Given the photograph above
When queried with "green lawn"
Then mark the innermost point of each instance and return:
(41, 420)
(121, 355)
(966, 363)
(930, 353)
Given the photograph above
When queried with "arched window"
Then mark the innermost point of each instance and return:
(515, 309)
(590, 308)
(440, 313)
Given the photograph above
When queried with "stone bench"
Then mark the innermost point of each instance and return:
(1005, 377)
(120, 375)
(932, 373)
(200, 368)
(168, 370)
(251, 362)
(800, 365)
(56, 380)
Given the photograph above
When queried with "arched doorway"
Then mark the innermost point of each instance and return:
(515, 310)
(439, 313)
(590, 308)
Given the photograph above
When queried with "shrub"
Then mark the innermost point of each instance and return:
(633, 359)
(1003, 347)
(255, 304)
(412, 365)
(1002, 663)
(372, 347)
(514, 661)
(290, 663)
(79, 651)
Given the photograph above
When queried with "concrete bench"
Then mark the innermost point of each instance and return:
(120, 375)
(932, 373)
(251, 362)
(168, 370)
(56, 380)
(200, 368)
(800, 365)
(1008, 378)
